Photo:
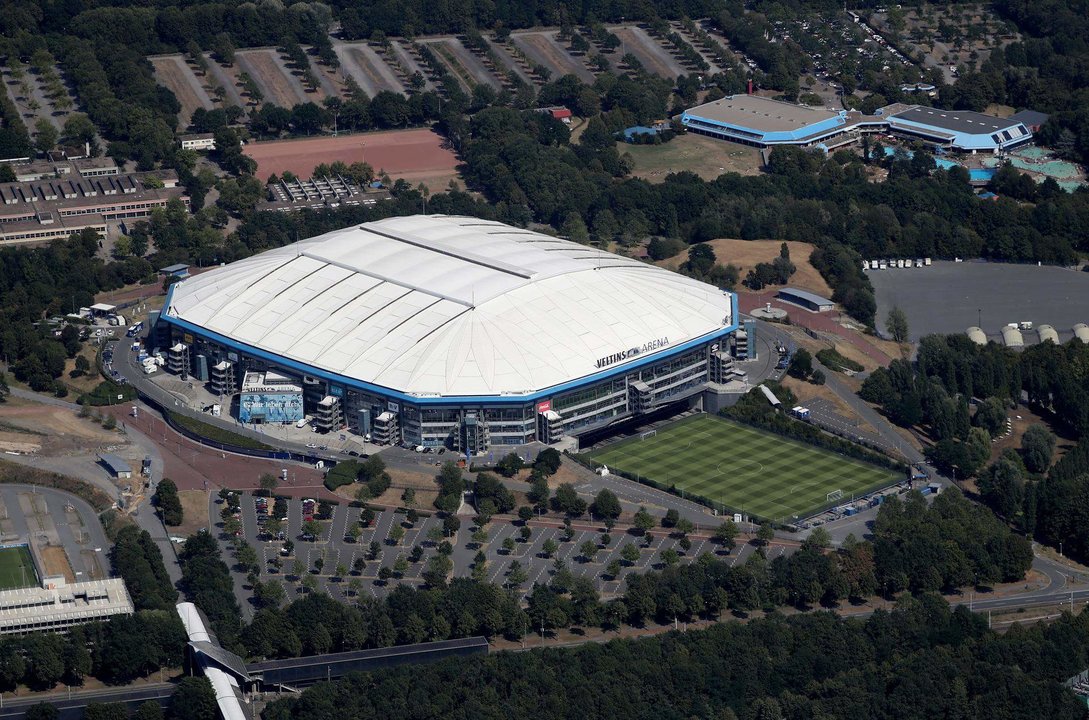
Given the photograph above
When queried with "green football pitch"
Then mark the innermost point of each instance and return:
(16, 568)
(744, 469)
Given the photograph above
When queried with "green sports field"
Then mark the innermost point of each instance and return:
(743, 468)
(16, 568)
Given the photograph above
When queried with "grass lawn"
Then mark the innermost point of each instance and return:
(705, 156)
(743, 468)
(16, 568)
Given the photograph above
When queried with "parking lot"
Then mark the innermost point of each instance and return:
(338, 552)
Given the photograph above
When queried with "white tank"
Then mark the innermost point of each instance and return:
(977, 335)
(1048, 334)
(1012, 337)
(1081, 332)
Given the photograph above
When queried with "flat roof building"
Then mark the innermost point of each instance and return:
(116, 465)
(959, 129)
(43, 210)
(763, 122)
(806, 299)
(61, 605)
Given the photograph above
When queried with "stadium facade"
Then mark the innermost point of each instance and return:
(439, 330)
(763, 122)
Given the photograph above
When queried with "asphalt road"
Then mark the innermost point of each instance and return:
(72, 704)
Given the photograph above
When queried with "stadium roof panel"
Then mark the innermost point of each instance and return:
(450, 306)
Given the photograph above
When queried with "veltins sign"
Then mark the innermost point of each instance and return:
(630, 353)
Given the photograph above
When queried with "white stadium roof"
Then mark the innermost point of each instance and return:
(449, 306)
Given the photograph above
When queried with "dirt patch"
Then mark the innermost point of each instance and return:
(415, 155)
(745, 254)
(173, 73)
(194, 512)
(18, 442)
(56, 562)
(654, 58)
(275, 86)
(369, 64)
(543, 48)
(806, 392)
(52, 422)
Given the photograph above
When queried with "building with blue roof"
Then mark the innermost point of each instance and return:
(763, 122)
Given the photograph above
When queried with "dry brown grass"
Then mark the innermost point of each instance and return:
(808, 391)
(745, 254)
(194, 512)
(56, 562)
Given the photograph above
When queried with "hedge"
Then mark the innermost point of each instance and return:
(215, 433)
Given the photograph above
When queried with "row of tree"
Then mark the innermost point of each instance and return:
(136, 558)
(920, 660)
(117, 652)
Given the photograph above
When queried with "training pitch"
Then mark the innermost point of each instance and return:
(16, 568)
(744, 469)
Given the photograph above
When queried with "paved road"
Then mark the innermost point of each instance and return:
(71, 704)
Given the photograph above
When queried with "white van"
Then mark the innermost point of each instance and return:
(302, 423)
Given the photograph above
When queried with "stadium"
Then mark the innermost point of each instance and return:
(456, 331)
(763, 122)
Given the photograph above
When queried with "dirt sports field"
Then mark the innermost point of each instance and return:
(415, 155)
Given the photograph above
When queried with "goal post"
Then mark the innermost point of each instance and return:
(648, 434)
(834, 496)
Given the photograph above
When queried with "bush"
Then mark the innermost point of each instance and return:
(832, 360)
(108, 392)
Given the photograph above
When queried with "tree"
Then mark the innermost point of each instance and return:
(897, 325)
(194, 699)
(149, 710)
(508, 545)
(549, 548)
(766, 533)
(516, 575)
(396, 533)
(630, 554)
(568, 501)
(105, 711)
(548, 461)
(1037, 448)
(509, 465)
(526, 532)
(643, 520)
(726, 534)
(801, 366)
(269, 481)
(525, 513)
(588, 550)
(42, 711)
(167, 500)
(606, 504)
(438, 569)
(46, 135)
